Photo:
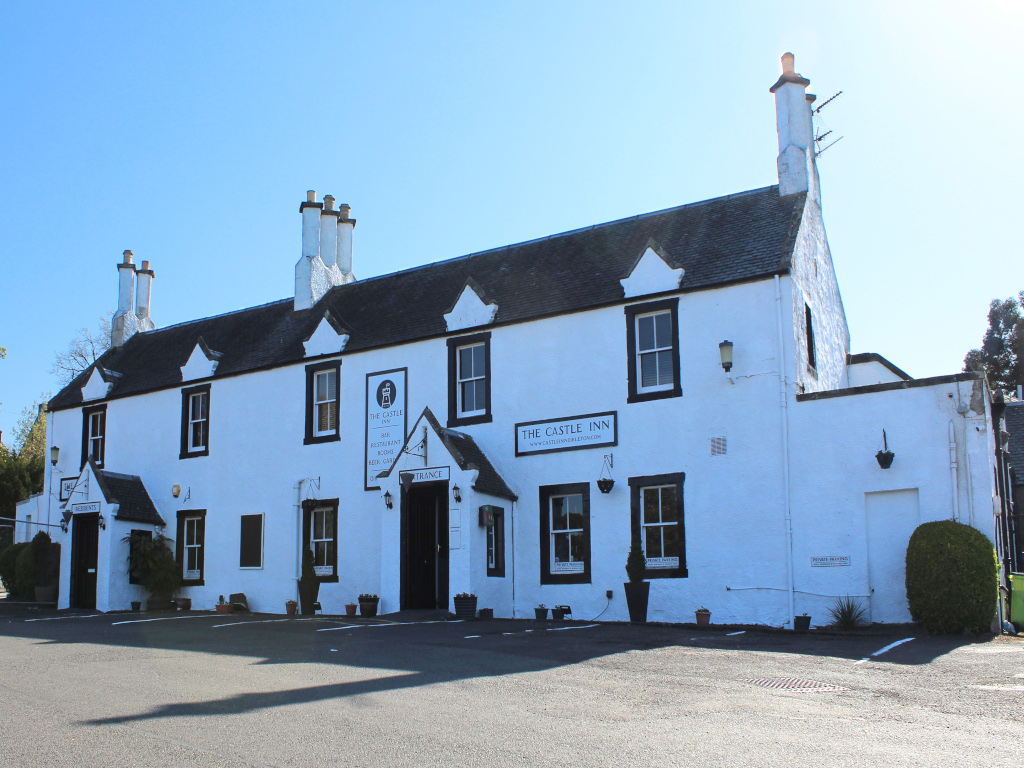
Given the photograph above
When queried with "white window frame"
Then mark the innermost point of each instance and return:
(571, 566)
(460, 379)
(96, 436)
(192, 546)
(646, 528)
(326, 569)
(327, 401)
(193, 420)
(492, 546)
(655, 350)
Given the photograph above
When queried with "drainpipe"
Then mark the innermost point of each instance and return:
(952, 473)
(783, 404)
(298, 532)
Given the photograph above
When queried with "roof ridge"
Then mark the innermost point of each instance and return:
(214, 317)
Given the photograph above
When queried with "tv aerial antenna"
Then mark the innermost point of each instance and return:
(820, 137)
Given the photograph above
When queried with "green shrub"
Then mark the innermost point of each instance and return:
(25, 575)
(848, 613)
(8, 566)
(952, 578)
(42, 553)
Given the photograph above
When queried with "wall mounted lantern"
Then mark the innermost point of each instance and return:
(885, 456)
(103, 523)
(388, 501)
(456, 493)
(175, 491)
(604, 484)
(54, 455)
(64, 525)
(725, 351)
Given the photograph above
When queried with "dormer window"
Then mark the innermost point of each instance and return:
(652, 344)
(322, 401)
(94, 434)
(195, 422)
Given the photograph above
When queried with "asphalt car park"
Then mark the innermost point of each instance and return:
(417, 690)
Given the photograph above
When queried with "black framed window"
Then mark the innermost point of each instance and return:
(656, 514)
(496, 543)
(250, 549)
(94, 433)
(565, 534)
(323, 401)
(190, 546)
(195, 422)
(136, 539)
(320, 534)
(469, 380)
(809, 333)
(652, 350)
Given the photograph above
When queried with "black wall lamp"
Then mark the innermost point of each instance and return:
(54, 455)
(725, 352)
(388, 500)
(457, 493)
(64, 526)
(103, 523)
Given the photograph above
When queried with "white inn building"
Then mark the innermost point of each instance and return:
(444, 429)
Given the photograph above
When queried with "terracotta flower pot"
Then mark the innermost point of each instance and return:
(224, 607)
(350, 609)
(290, 607)
(703, 618)
(184, 603)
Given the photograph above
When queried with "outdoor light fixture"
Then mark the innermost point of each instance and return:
(725, 350)
(175, 491)
(54, 455)
(103, 523)
(605, 484)
(456, 493)
(387, 500)
(64, 525)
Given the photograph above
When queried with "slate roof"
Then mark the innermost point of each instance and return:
(130, 494)
(728, 239)
(488, 481)
(1014, 416)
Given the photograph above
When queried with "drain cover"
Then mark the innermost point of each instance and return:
(795, 684)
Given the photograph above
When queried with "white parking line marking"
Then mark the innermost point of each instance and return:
(730, 634)
(243, 621)
(559, 629)
(347, 626)
(470, 637)
(61, 618)
(162, 618)
(880, 651)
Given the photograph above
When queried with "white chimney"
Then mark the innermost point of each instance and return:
(143, 296)
(345, 226)
(124, 323)
(797, 170)
(310, 211)
(328, 232)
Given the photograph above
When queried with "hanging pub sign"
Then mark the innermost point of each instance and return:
(67, 485)
(386, 422)
(592, 430)
(487, 516)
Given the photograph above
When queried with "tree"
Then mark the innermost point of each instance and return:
(1001, 356)
(30, 431)
(85, 349)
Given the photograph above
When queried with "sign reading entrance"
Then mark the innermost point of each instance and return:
(92, 506)
(425, 475)
(829, 561)
(386, 422)
(592, 430)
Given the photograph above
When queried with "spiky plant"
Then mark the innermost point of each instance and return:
(848, 613)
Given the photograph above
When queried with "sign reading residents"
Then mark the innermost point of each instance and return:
(386, 422)
(592, 430)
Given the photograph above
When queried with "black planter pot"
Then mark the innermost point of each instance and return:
(368, 607)
(309, 591)
(136, 605)
(801, 623)
(885, 458)
(465, 607)
(637, 593)
(541, 614)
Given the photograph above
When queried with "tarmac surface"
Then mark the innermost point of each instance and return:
(201, 689)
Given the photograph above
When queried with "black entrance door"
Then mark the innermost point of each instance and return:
(84, 557)
(425, 546)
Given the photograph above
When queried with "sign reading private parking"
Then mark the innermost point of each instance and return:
(829, 561)
(386, 422)
(592, 430)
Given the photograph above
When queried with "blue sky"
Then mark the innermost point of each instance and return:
(190, 132)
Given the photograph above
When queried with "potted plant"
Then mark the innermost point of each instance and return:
(465, 605)
(290, 606)
(136, 606)
(703, 616)
(368, 604)
(309, 585)
(153, 563)
(884, 457)
(637, 590)
(802, 623)
(223, 606)
(184, 603)
(557, 613)
(350, 609)
(541, 612)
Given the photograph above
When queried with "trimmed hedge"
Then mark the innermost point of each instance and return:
(8, 566)
(25, 574)
(952, 578)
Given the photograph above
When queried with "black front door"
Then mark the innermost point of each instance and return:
(84, 557)
(425, 546)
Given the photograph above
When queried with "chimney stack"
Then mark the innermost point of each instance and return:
(345, 226)
(143, 296)
(797, 169)
(124, 323)
(328, 233)
(326, 259)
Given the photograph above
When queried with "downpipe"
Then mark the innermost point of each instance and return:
(784, 407)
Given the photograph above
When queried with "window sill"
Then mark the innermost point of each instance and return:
(642, 397)
(666, 573)
(322, 439)
(194, 454)
(466, 421)
(565, 578)
(193, 582)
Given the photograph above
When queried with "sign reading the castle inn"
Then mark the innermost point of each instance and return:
(386, 422)
(592, 430)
